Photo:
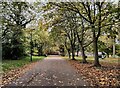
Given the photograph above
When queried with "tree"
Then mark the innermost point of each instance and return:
(67, 27)
(69, 33)
(14, 20)
(84, 38)
(70, 18)
(94, 14)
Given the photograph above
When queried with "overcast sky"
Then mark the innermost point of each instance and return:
(65, 0)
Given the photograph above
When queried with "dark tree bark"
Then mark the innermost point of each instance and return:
(68, 50)
(95, 37)
(107, 55)
(73, 51)
(69, 53)
(96, 61)
(40, 52)
(83, 54)
(77, 53)
(72, 38)
(81, 45)
(73, 45)
(95, 47)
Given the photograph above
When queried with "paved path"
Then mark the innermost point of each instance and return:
(52, 71)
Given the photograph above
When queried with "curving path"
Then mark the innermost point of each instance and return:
(52, 71)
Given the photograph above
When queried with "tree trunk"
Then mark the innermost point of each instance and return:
(73, 52)
(107, 55)
(73, 55)
(95, 47)
(82, 50)
(39, 51)
(83, 55)
(68, 50)
(114, 48)
(69, 53)
(77, 53)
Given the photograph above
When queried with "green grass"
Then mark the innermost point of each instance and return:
(13, 64)
(91, 59)
(110, 60)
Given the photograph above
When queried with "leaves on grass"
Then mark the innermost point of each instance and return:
(14, 74)
(107, 75)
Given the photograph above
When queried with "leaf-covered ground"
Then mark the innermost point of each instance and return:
(107, 75)
(14, 69)
(15, 73)
(52, 71)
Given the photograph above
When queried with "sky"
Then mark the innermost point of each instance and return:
(65, 0)
(116, 1)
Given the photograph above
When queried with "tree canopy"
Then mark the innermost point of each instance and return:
(65, 27)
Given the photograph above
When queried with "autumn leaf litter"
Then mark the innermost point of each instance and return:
(107, 75)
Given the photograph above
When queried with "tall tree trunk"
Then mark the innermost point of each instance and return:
(73, 52)
(69, 53)
(83, 54)
(82, 48)
(68, 50)
(95, 47)
(107, 55)
(73, 55)
(77, 53)
(113, 47)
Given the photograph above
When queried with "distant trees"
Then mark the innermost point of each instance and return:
(40, 38)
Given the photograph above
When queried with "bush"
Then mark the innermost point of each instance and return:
(12, 51)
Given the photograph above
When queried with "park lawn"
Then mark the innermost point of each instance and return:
(91, 59)
(13, 64)
(108, 60)
(111, 60)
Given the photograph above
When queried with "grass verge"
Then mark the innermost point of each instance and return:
(91, 59)
(13, 64)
